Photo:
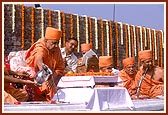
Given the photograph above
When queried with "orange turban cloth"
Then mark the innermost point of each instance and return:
(53, 34)
(128, 61)
(105, 61)
(144, 55)
(85, 47)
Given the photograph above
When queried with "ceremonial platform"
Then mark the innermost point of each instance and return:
(147, 105)
(78, 94)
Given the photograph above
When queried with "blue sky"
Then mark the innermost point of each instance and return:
(150, 15)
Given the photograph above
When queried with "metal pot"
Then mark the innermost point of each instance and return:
(43, 75)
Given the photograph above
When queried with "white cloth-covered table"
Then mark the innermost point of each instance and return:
(96, 99)
(112, 97)
(76, 81)
(106, 79)
(74, 95)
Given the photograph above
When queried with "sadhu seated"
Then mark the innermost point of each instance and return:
(89, 62)
(105, 67)
(101, 67)
(149, 79)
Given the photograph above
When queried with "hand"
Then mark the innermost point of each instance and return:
(133, 92)
(50, 82)
(22, 74)
(30, 83)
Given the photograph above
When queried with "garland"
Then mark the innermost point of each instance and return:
(149, 38)
(32, 25)
(132, 40)
(13, 18)
(111, 38)
(141, 43)
(96, 34)
(63, 27)
(42, 22)
(59, 23)
(49, 17)
(162, 44)
(129, 41)
(117, 52)
(150, 41)
(161, 47)
(138, 45)
(155, 45)
(86, 28)
(71, 25)
(77, 19)
(22, 47)
(126, 39)
(90, 31)
(145, 37)
(121, 32)
(143, 40)
(153, 48)
(135, 47)
(107, 32)
(59, 19)
(102, 36)
(162, 38)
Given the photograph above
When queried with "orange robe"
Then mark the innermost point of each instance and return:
(53, 60)
(149, 87)
(18, 94)
(128, 81)
(12, 94)
(8, 98)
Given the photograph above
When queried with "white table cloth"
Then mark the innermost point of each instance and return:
(96, 99)
(76, 81)
(74, 95)
(112, 97)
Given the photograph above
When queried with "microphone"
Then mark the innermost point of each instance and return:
(140, 81)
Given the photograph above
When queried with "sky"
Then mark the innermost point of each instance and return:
(150, 15)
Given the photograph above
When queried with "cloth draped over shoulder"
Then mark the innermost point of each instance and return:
(149, 86)
(128, 81)
(53, 60)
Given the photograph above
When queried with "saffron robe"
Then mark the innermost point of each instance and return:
(149, 87)
(53, 60)
(12, 94)
(128, 81)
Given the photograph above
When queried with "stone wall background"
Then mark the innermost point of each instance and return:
(24, 25)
